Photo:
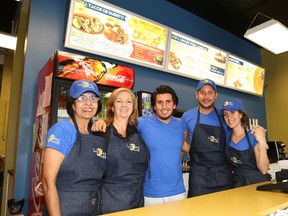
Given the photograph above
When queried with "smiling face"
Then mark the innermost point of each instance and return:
(164, 107)
(85, 109)
(232, 119)
(123, 105)
(206, 96)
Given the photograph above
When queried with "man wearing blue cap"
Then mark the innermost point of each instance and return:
(209, 170)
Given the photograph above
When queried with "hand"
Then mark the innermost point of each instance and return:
(260, 135)
(39, 189)
(99, 125)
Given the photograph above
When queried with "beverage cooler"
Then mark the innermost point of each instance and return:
(144, 103)
(145, 108)
(53, 84)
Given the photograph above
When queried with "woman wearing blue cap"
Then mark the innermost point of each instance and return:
(246, 150)
(74, 159)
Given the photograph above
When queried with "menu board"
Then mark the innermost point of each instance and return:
(244, 76)
(192, 58)
(98, 27)
(101, 28)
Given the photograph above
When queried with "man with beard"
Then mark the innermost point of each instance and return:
(164, 135)
(209, 171)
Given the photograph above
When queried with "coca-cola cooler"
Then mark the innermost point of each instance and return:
(53, 84)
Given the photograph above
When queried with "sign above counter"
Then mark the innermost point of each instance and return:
(101, 28)
(244, 76)
(195, 59)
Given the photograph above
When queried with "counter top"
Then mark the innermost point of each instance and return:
(244, 201)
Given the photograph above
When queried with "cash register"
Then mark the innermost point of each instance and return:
(276, 152)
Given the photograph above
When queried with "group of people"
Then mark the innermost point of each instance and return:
(130, 162)
(223, 153)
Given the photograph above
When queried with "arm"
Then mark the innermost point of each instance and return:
(185, 145)
(51, 165)
(99, 125)
(260, 149)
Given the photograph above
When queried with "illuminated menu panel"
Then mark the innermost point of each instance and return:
(245, 76)
(101, 28)
(98, 27)
(192, 58)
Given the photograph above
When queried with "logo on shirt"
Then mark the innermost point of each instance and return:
(235, 160)
(53, 139)
(133, 147)
(100, 153)
(213, 139)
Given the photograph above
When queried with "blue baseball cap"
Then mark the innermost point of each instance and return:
(232, 105)
(206, 82)
(81, 86)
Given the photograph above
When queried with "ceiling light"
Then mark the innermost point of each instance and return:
(271, 35)
(8, 41)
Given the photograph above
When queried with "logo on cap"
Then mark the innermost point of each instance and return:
(228, 103)
(85, 84)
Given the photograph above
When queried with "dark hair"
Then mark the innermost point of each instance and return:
(163, 89)
(244, 119)
(71, 111)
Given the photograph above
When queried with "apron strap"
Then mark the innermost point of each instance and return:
(78, 138)
(75, 123)
(248, 139)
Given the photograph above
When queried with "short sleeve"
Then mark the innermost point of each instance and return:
(61, 138)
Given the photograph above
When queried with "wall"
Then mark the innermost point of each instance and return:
(46, 34)
(16, 150)
(276, 95)
(4, 100)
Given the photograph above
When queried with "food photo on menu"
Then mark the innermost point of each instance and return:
(245, 76)
(174, 60)
(219, 57)
(87, 23)
(93, 25)
(98, 27)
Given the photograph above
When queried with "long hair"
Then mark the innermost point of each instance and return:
(244, 119)
(133, 118)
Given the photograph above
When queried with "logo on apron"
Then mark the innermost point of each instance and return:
(100, 153)
(133, 147)
(213, 139)
(235, 160)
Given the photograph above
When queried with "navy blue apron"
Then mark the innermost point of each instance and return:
(245, 170)
(209, 170)
(127, 162)
(79, 178)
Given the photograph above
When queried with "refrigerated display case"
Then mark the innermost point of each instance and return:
(53, 84)
(144, 103)
(145, 108)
